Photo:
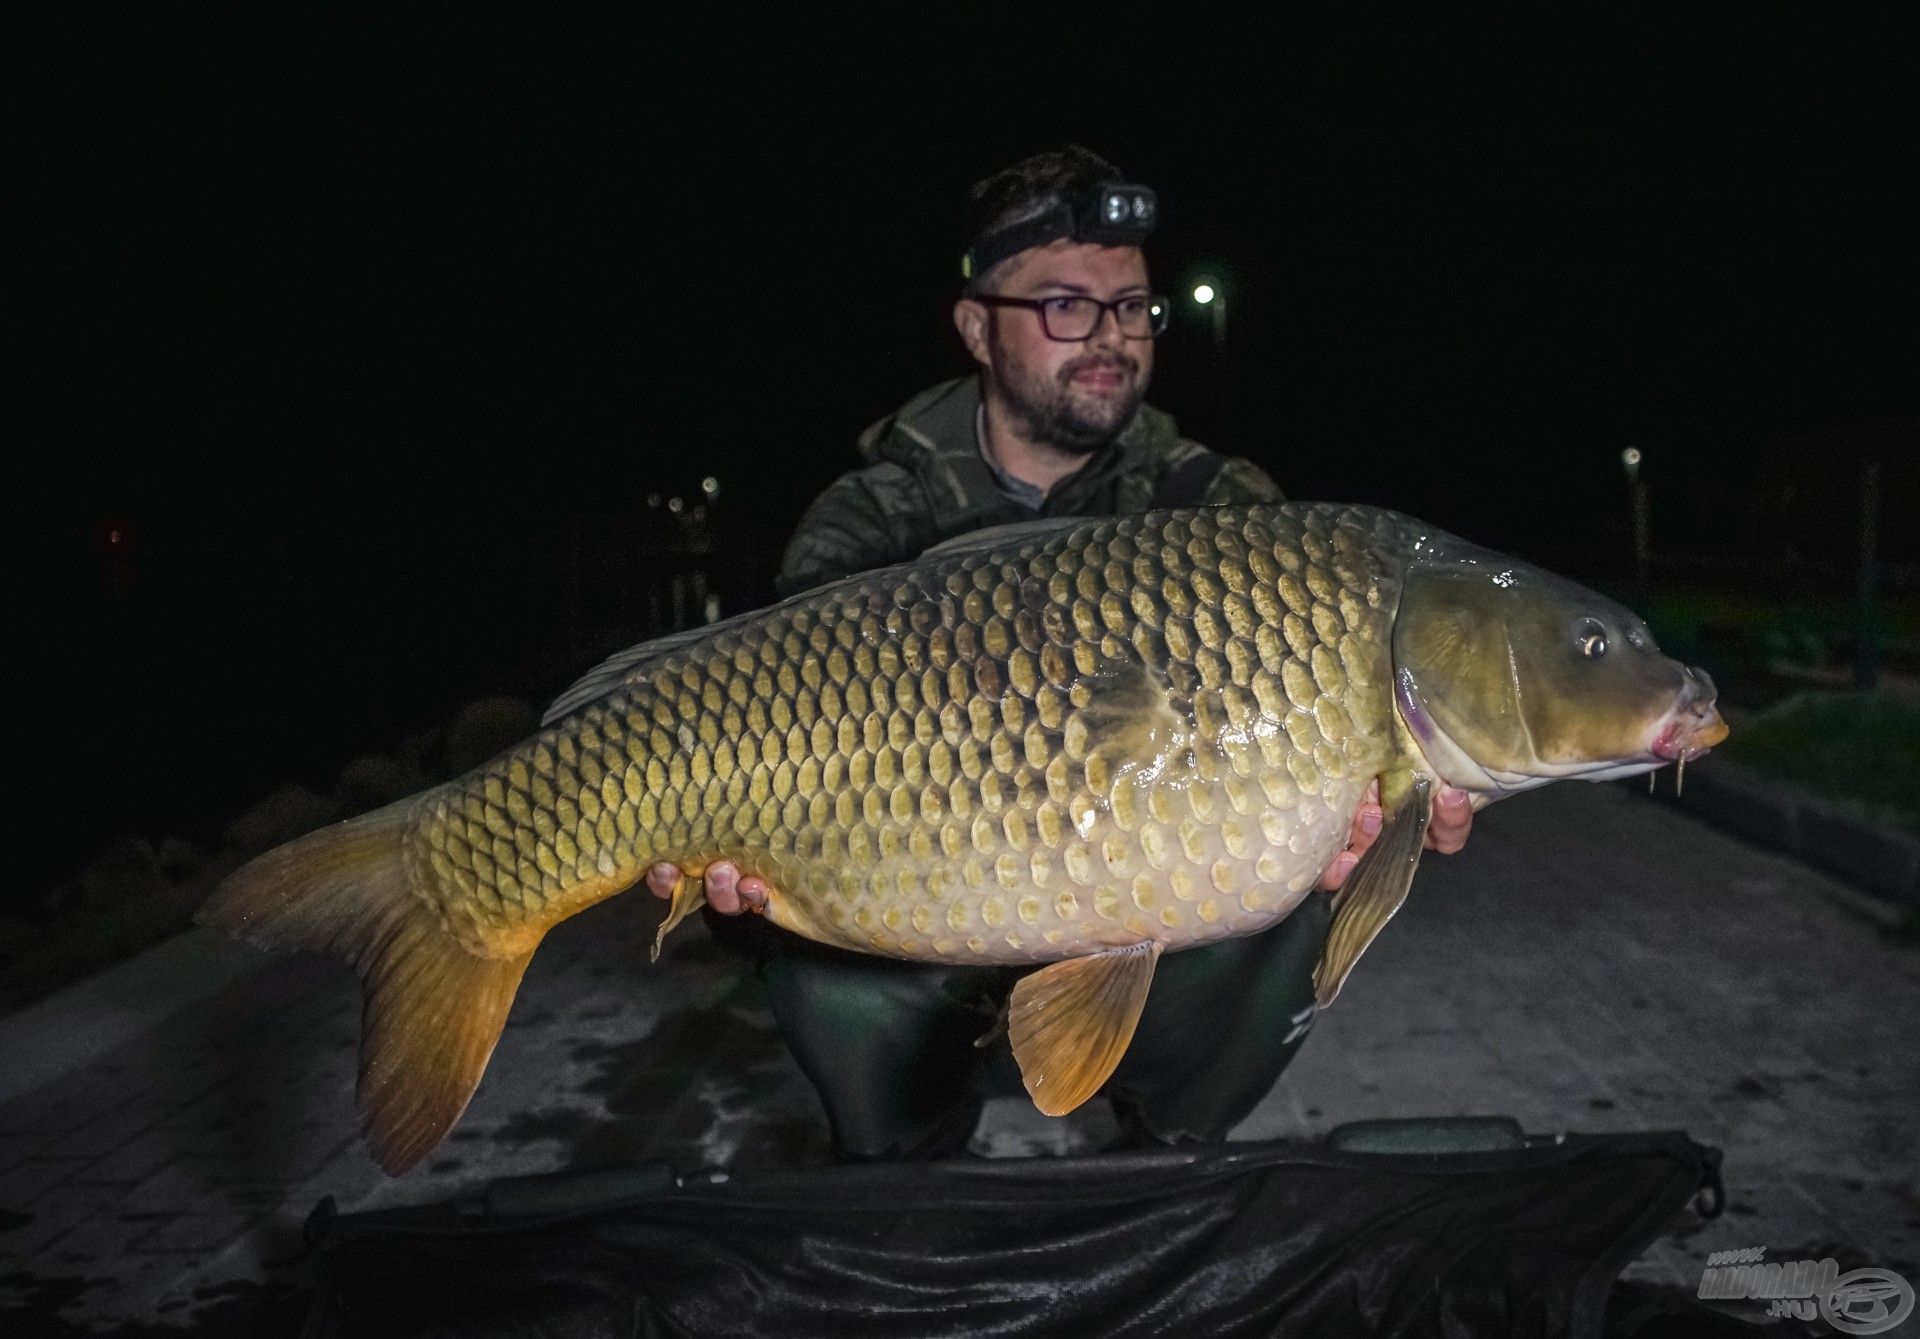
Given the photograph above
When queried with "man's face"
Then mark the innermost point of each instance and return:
(1074, 396)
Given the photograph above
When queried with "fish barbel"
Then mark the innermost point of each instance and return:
(1074, 742)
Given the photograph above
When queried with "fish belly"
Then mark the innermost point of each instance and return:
(1153, 727)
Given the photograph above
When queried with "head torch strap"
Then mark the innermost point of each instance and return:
(1112, 215)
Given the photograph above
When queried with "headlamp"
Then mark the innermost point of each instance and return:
(1111, 215)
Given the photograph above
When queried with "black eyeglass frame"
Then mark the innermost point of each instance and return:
(1159, 313)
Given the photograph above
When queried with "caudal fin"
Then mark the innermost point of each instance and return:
(433, 1010)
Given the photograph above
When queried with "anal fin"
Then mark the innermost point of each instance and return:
(1071, 1022)
(689, 895)
(1379, 883)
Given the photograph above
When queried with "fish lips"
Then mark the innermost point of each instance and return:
(1694, 725)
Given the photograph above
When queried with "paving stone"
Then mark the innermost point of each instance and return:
(1741, 802)
(109, 1131)
(101, 1231)
(189, 1183)
(136, 1160)
(17, 1147)
(60, 1214)
(197, 1233)
(1879, 859)
(54, 1113)
(26, 1181)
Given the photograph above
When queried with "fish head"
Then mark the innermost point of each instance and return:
(1510, 677)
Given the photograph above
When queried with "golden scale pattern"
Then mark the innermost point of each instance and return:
(1153, 726)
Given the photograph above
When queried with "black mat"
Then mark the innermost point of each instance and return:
(1238, 1239)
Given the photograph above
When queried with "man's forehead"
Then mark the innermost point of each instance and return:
(1076, 265)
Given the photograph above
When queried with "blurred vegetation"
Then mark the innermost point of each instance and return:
(1860, 749)
(1783, 658)
(1762, 647)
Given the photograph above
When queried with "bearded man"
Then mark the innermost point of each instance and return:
(1060, 320)
(1052, 423)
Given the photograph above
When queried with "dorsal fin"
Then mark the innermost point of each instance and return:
(610, 673)
(1012, 534)
(617, 668)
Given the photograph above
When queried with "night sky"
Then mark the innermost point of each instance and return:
(345, 330)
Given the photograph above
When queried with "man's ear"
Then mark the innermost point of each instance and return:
(970, 319)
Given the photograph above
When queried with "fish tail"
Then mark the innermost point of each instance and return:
(433, 1009)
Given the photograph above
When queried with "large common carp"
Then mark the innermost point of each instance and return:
(1076, 742)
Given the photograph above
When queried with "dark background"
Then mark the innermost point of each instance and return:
(344, 339)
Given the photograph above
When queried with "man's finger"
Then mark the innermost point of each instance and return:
(661, 878)
(753, 892)
(1338, 871)
(723, 887)
(1451, 822)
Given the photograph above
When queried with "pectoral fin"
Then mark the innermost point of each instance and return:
(1071, 1022)
(1379, 883)
(689, 895)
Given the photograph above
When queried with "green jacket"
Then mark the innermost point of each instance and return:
(926, 481)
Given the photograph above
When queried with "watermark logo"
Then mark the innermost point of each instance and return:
(1861, 1301)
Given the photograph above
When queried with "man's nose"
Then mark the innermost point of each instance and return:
(1106, 330)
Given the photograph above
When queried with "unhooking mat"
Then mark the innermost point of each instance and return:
(1273, 1239)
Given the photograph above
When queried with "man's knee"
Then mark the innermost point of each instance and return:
(889, 1048)
(1227, 1021)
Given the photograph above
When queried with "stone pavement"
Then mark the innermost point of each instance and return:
(1594, 961)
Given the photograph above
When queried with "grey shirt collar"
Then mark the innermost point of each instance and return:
(1027, 495)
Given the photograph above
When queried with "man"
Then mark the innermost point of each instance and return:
(1058, 316)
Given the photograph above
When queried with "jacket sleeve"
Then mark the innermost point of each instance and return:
(1241, 481)
(845, 530)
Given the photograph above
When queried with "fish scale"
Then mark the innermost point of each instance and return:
(1155, 727)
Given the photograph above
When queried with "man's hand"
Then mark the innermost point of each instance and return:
(1446, 831)
(729, 893)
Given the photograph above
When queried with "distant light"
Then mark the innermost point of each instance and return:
(653, 501)
(1630, 457)
(710, 486)
(675, 505)
(1203, 294)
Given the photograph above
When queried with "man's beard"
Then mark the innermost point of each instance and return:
(1050, 414)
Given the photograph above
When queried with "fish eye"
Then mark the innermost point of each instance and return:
(1592, 640)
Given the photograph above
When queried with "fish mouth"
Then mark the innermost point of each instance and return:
(1695, 724)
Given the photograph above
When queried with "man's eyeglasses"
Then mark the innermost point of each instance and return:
(1072, 319)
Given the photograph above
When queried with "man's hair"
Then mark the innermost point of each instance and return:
(1027, 190)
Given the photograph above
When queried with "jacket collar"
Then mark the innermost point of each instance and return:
(934, 435)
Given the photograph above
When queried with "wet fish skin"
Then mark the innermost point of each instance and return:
(1147, 727)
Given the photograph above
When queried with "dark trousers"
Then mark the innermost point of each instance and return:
(891, 1045)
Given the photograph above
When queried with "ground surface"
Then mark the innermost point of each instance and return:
(1594, 961)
